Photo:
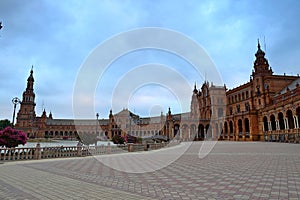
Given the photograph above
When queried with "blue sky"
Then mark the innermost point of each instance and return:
(56, 37)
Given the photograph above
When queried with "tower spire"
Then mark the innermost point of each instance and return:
(261, 64)
(30, 81)
(258, 44)
(195, 88)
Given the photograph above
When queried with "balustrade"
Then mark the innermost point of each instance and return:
(36, 153)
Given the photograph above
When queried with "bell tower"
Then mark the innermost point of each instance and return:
(260, 72)
(26, 115)
(195, 104)
(261, 65)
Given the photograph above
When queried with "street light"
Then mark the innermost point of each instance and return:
(1, 26)
(97, 116)
(15, 101)
(129, 124)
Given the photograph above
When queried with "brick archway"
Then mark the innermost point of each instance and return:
(290, 118)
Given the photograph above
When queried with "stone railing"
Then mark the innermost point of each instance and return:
(147, 147)
(37, 153)
(290, 136)
(17, 154)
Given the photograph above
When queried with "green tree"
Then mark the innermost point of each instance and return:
(5, 123)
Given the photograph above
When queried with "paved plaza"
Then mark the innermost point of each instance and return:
(232, 170)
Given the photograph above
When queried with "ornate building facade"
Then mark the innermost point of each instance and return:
(267, 107)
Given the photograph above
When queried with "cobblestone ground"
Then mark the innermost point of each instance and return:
(233, 170)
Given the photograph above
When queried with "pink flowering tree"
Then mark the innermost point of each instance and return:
(10, 137)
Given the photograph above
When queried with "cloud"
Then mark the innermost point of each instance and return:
(56, 37)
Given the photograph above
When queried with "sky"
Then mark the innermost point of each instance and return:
(57, 38)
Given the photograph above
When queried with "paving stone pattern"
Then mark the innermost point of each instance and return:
(233, 170)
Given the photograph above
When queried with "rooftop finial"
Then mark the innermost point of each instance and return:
(258, 45)
(195, 88)
(31, 71)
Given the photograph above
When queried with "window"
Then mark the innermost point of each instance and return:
(220, 112)
(247, 106)
(257, 91)
(238, 108)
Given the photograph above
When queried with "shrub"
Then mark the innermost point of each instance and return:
(65, 137)
(10, 137)
(117, 139)
(130, 139)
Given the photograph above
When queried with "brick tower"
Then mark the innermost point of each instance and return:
(26, 115)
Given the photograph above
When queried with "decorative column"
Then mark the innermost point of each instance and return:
(277, 125)
(269, 125)
(296, 122)
(244, 130)
(37, 152)
(213, 136)
(286, 124)
(296, 127)
(180, 135)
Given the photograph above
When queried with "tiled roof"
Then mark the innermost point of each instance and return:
(76, 122)
(291, 86)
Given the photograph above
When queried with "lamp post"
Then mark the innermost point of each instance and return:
(31, 126)
(129, 133)
(15, 101)
(97, 116)
(141, 130)
(1, 26)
